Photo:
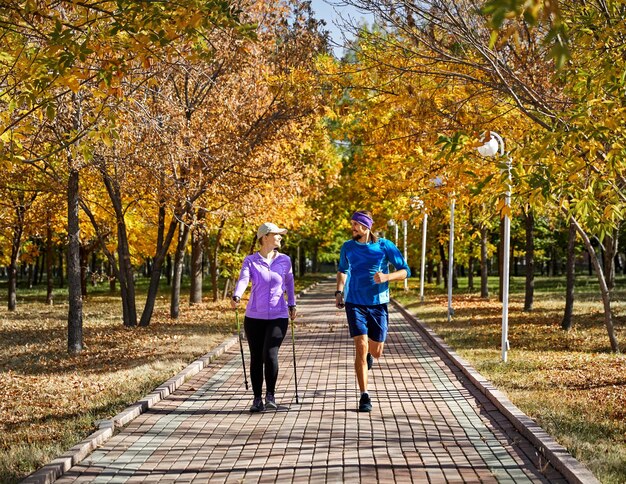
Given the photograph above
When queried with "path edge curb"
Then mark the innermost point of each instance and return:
(558, 456)
(106, 428)
(56, 468)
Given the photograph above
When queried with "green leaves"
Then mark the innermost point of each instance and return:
(451, 145)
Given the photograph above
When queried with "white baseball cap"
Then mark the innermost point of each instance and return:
(269, 228)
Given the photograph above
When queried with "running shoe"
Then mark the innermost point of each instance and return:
(370, 361)
(257, 405)
(365, 404)
(270, 402)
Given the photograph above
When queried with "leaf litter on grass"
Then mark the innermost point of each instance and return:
(53, 399)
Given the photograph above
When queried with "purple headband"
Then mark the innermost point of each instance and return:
(363, 219)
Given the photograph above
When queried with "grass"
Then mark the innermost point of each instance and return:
(51, 400)
(569, 382)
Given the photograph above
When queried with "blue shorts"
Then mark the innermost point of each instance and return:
(369, 320)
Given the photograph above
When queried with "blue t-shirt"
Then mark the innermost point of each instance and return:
(360, 262)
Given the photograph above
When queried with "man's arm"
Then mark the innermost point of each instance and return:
(395, 257)
(381, 277)
(341, 283)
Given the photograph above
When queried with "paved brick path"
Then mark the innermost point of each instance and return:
(429, 425)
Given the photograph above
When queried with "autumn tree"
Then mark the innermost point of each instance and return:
(56, 55)
(517, 66)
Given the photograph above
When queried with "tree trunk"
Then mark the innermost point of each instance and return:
(75, 298)
(19, 206)
(84, 263)
(197, 249)
(443, 265)
(554, 261)
(125, 272)
(429, 271)
(168, 270)
(470, 261)
(484, 269)
(179, 259)
(610, 249)
(301, 261)
(163, 244)
(49, 252)
(604, 289)
(197, 243)
(570, 279)
(126, 276)
(529, 292)
(16, 242)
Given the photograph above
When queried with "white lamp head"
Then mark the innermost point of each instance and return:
(489, 148)
(391, 222)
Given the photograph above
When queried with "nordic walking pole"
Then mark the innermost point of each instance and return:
(243, 360)
(295, 370)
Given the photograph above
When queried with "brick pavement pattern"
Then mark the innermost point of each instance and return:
(428, 425)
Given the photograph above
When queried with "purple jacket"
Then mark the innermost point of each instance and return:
(269, 284)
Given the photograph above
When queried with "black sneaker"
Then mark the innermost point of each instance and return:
(370, 361)
(257, 405)
(365, 404)
(270, 402)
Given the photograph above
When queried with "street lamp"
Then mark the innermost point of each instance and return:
(493, 145)
(423, 264)
(418, 204)
(405, 229)
(451, 260)
(437, 183)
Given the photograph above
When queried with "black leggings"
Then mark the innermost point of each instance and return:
(264, 338)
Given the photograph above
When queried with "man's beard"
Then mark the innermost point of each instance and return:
(357, 238)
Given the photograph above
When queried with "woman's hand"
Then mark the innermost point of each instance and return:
(293, 312)
(234, 302)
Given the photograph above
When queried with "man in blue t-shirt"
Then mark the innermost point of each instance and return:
(363, 289)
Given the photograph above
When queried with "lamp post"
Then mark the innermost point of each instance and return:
(392, 223)
(493, 145)
(423, 264)
(451, 260)
(437, 183)
(405, 229)
(418, 204)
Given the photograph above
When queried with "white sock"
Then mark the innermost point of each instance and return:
(364, 393)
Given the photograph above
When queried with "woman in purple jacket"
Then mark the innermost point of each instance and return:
(267, 312)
